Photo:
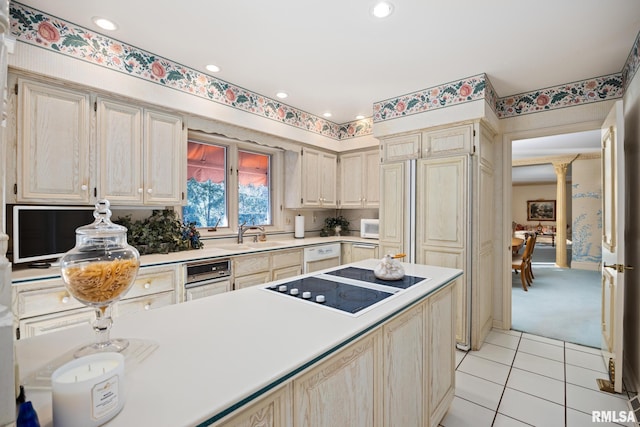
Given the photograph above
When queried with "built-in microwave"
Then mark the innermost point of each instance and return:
(370, 228)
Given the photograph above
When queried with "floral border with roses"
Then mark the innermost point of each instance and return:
(37, 28)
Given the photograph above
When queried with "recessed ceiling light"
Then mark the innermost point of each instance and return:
(382, 9)
(104, 23)
(213, 68)
(282, 95)
(327, 114)
(360, 117)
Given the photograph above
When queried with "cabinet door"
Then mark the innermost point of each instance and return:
(273, 410)
(401, 147)
(404, 367)
(442, 343)
(360, 252)
(207, 290)
(343, 390)
(311, 195)
(446, 142)
(442, 215)
(165, 159)
(371, 184)
(286, 272)
(392, 208)
(53, 144)
(119, 152)
(328, 180)
(352, 179)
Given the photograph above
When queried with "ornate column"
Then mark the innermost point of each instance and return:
(561, 214)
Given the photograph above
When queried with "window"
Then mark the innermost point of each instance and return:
(231, 183)
(206, 185)
(254, 198)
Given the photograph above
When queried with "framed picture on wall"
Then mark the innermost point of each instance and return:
(541, 210)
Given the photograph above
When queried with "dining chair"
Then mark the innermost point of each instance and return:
(530, 269)
(522, 263)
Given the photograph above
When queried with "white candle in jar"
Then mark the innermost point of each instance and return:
(88, 391)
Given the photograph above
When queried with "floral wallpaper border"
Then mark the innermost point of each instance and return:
(34, 27)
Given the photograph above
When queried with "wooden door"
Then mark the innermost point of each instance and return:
(442, 217)
(351, 180)
(328, 175)
(613, 224)
(393, 208)
(53, 144)
(165, 151)
(120, 152)
(371, 185)
(310, 178)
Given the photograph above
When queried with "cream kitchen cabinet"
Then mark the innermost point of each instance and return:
(393, 210)
(360, 179)
(311, 179)
(353, 252)
(207, 290)
(43, 306)
(141, 155)
(400, 374)
(126, 153)
(273, 410)
(453, 216)
(53, 149)
(256, 269)
(401, 147)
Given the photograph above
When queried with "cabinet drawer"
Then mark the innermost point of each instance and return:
(152, 280)
(56, 322)
(145, 303)
(45, 301)
(251, 264)
(252, 280)
(287, 258)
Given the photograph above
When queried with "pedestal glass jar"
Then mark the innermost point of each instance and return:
(99, 271)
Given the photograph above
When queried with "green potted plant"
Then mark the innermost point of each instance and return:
(162, 232)
(336, 225)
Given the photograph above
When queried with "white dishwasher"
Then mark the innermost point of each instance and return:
(321, 257)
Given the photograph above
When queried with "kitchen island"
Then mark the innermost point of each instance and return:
(254, 357)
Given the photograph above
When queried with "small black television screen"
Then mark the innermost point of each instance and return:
(45, 233)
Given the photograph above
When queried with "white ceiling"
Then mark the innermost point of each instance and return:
(332, 55)
(550, 146)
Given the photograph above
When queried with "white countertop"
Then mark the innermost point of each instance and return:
(211, 249)
(215, 352)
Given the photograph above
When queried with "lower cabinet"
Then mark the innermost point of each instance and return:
(399, 374)
(274, 410)
(353, 252)
(207, 290)
(256, 269)
(44, 306)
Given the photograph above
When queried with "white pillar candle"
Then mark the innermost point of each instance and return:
(88, 391)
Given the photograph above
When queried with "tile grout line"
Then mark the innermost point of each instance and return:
(495, 415)
(564, 369)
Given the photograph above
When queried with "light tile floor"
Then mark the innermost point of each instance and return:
(518, 379)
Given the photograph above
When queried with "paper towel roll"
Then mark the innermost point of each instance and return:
(299, 227)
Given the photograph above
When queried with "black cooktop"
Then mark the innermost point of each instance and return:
(337, 295)
(365, 275)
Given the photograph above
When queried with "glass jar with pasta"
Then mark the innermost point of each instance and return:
(99, 271)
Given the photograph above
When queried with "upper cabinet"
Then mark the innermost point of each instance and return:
(430, 144)
(128, 154)
(360, 179)
(53, 144)
(311, 179)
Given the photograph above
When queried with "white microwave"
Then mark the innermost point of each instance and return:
(370, 228)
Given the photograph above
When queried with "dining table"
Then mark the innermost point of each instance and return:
(516, 244)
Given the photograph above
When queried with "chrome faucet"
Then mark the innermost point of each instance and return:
(243, 228)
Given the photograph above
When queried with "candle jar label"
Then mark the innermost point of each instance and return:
(104, 397)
